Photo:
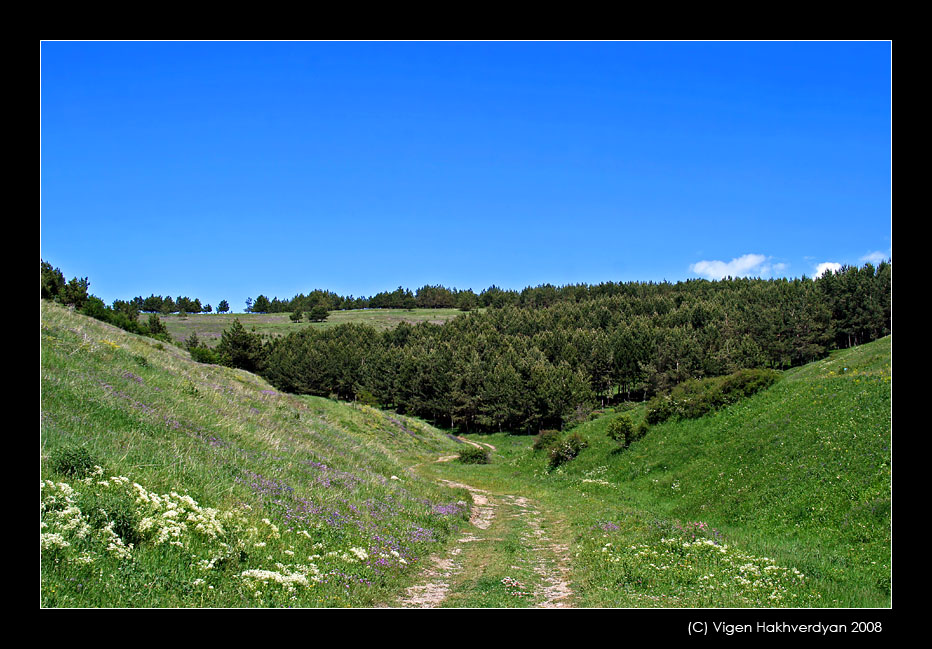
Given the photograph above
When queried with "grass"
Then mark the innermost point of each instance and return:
(168, 483)
(209, 326)
(230, 493)
(730, 509)
(498, 570)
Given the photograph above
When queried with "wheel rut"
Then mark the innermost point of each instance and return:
(491, 517)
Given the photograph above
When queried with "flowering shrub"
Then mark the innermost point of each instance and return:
(121, 518)
(113, 510)
(567, 449)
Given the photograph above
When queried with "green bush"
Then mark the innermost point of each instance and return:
(621, 430)
(659, 409)
(641, 430)
(205, 355)
(567, 449)
(116, 510)
(698, 397)
(578, 441)
(473, 455)
(545, 439)
(73, 461)
(367, 398)
(744, 383)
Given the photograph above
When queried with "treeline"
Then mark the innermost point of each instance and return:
(547, 361)
(546, 356)
(74, 293)
(426, 297)
(435, 297)
(181, 304)
(534, 297)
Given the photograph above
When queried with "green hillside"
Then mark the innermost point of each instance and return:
(795, 480)
(165, 482)
(172, 483)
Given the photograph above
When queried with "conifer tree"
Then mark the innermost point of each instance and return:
(318, 313)
(261, 305)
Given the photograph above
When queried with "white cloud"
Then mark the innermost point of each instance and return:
(743, 266)
(827, 266)
(874, 257)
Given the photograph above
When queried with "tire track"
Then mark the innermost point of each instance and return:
(552, 559)
(439, 575)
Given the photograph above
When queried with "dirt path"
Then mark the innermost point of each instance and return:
(448, 458)
(476, 444)
(552, 558)
(436, 580)
(493, 518)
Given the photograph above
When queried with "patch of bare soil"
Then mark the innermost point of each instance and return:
(476, 444)
(483, 510)
(437, 577)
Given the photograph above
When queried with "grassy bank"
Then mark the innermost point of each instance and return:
(780, 500)
(169, 483)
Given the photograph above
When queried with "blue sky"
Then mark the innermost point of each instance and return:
(222, 170)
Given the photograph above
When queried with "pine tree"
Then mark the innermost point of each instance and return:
(318, 313)
(261, 305)
(75, 292)
(242, 349)
(51, 281)
(156, 326)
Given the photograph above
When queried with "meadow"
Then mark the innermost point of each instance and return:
(210, 326)
(169, 483)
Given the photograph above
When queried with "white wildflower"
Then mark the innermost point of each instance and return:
(52, 541)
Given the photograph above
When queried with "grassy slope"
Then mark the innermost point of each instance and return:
(209, 327)
(321, 484)
(797, 477)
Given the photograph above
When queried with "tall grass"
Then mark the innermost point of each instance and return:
(169, 483)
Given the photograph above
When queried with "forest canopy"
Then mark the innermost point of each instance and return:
(544, 357)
